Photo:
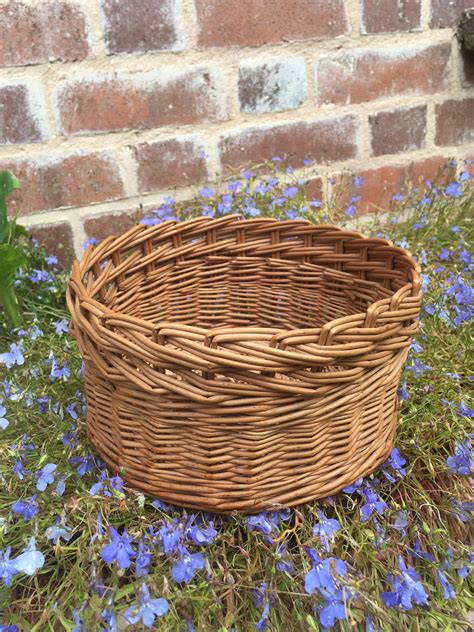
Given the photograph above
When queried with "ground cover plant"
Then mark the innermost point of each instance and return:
(81, 552)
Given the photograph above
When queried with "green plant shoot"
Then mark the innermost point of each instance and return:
(10, 257)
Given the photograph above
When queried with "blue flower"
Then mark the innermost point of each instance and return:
(406, 589)
(454, 189)
(355, 487)
(321, 576)
(464, 411)
(333, 609)
(45, 476)
(448, 590)
(26, 508)
(372, 504)
(417, 552)
(3, 422)
(396, 462)
(60, 487)
(7, 567)
(401, 522)
(147, 609)
(142, 561)
(61, 326)
(39, 276)
(170, 535)
(30, 560)
(206, 192)
(119, 550)
(260, 523)
(284, 564)
(350, 211)
(184, 569)
(462, 462)
(358, 180)
(263, 621)
(51, 260)
(290, 191)
(445, 254)
(59, 371)
(85, 464)
(325, 529)
(56, 532)
(14, 356)
(201, 535)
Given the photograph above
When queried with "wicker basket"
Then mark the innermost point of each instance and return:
(236, 364)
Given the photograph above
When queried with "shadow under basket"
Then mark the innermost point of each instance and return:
(241, 365)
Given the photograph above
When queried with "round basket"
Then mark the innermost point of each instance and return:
(241, 365)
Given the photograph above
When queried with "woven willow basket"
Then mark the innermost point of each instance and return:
(239, 364)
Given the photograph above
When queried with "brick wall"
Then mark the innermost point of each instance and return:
(106, 104)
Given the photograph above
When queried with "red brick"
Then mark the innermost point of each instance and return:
(41, 32)
(370, 74)
(170, 163)
(21, 114)
(141, 25)
(397, 130)
(446, 13)
(322, 141)
(389, 16)
(455, 122)
(57, 239)
(379, 185)
(257, 22)
(64, 180)
(140, 101)
(314, 188)
(102, 226)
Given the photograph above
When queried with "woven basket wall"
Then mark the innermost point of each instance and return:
(241, 364)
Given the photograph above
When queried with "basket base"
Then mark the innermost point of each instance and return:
(198, 502)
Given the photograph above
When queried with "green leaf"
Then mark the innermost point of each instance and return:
(10, 261)
(8, 183)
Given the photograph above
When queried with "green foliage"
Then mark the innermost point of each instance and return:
(10, 257)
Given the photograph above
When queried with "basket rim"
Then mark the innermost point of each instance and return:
(141, 232)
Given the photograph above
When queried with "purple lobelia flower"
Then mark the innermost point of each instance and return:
(26, 508)
(263, 621)
(119, 550)
(355, 487)
(184, 569)
(407, 589)
(14, 356)
(448, 590)
(170, 535)
(147, 609)
(201, 535)
(396, 463)
(30, 560)
(462, 462)
(325, 529)
(7, 567)
(45, 476)
(333, 608)
(321, 576)
(61, 326)
(372, 504)
(143, 559)
(3, 421)
(56, 532)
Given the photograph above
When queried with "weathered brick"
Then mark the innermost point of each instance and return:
(257, 22)
(390, 16)
(21, 113)
(42, 31)
(140, 101)
(57, 239)
(455, 122)
(170, 163)
(49, 182)
(446, 13)
(397, 130)
(102, 226)
(132, 26)
(380, 184)
(323, 141)
(370, 74)
(272, 85)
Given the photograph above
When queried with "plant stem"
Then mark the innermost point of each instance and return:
(8, 300)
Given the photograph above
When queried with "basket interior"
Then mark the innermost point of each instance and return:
(221, 291)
